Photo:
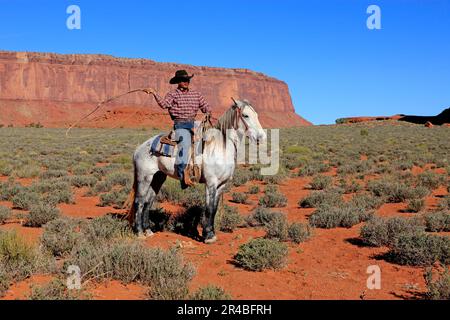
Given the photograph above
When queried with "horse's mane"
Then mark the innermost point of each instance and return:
(226, 121)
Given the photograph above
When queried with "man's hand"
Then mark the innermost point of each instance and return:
(149, 91)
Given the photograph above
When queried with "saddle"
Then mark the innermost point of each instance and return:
(167, 143)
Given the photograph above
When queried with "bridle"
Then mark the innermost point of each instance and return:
(239, 117)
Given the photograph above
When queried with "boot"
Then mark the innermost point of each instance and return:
(187, 179)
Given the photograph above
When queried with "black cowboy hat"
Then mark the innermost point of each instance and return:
(180, 75)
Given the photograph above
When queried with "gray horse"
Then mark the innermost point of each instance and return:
(217, 161)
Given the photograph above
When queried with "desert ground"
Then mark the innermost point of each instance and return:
(346, 197)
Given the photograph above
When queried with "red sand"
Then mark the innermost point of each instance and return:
(331, 265)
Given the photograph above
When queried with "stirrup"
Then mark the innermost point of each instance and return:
(187, 180)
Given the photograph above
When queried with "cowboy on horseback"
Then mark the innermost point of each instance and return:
(183, 105)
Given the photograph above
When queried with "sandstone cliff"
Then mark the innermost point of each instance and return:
(57, 90)
(440, 119)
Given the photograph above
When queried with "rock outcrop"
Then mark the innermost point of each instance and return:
(57, 90)
(440, 119)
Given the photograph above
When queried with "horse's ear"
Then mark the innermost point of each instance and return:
(236, 103)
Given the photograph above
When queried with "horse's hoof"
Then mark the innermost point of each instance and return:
(211, 239)
(148, 233)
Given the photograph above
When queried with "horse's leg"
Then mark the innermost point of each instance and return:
(157, 181)
(212, 202)
(143, 186)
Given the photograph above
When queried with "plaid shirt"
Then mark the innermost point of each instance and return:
(183, 105)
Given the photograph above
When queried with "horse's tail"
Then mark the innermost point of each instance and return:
(129, 203)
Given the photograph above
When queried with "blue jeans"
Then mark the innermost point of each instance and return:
(183, 136)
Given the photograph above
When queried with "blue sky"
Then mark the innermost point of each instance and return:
(334, 65)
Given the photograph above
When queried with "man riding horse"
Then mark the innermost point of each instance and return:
(183, 105)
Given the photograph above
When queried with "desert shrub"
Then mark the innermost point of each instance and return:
(18, 258)
(9, 189)
(415, 205)
(430, 180)
(361, 167)
(259, 254)
(81, 169)
(5, 280)
(49, 186)
(114, 198)
(51, 164)
(239, 197)
(444, 203)
(56, 290)
(438, 289)
(123, 159)
(61, 235)
(438, 221)
(60, 196)
(171, 191)
(385, 232)
(253, 189)
(99, 172)
(292, 161)
(259, 217)
(210, 292)
(404, 165)
(163, 270)
(273, 199)
(366, 201)
(321, 182)
(25, 199)
(270, 188)
(395, 192)
(28, 171)
(101, 186)
(119, 178)
(298, 150)
(241, 177)
(406, 177)
(53, 173)
(5, 214)
(274, 179)
(420, 249)
(351, 187)
(344, 216)
(299, 232)
(6, 169)
(105, 228)
(230, 219)
(34, 125)
(309, 170)
(193, 197)
(83, 181)
(41, 213)
(318, 198)
(419, 192)
(277, 226)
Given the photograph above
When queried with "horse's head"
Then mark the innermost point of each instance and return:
(247, 121)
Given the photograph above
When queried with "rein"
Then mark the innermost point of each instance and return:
(240, 117)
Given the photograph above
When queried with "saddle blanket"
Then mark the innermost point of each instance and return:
(162, 149)
(167, 150)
